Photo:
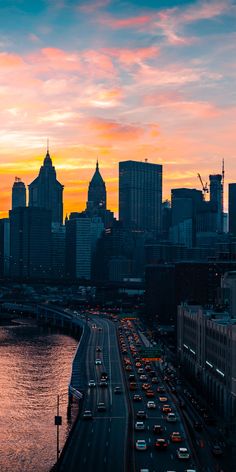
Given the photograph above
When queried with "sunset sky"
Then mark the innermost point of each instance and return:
(116, 80)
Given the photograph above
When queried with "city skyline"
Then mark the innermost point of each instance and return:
(116, 83)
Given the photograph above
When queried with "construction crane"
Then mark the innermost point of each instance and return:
(204, 187)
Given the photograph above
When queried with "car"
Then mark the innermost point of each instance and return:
(140, 370)
(98, 362)
(141, 414)
(163, 399)
(117, 390)
(160, 389)
(176, 437)
(101, 406)
(92, 383)
(149, 393)
(157, 429)
(171, 417)
(104, 376)
(103, 383)
(154, 380)
(183, 453)
(144, 470)
(151, 405)
(132, 377)
(216, 450)
(145, 386)
(139, 426)
(161, 443)
(87, 415)
(128, 368)
(190, 470)
(166, 409)
(143, 377)
(137, 398)
(141, 445)
(98, 349)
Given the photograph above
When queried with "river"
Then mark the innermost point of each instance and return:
(35, 366)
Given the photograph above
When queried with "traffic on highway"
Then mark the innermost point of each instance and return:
(135, 414)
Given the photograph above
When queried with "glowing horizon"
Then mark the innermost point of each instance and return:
(103, 81)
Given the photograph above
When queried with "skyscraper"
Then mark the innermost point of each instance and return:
(232, 209)
(46, 192)
(216, 197)
(78, 246)
(30, 242)
(18, 194)
(140, 195)
(97, 197)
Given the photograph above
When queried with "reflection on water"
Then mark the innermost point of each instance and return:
(35, 366)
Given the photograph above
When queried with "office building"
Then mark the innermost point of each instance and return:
(216, 198)
(30, 243)
(58, 250)
(232, 208)
(46, 192)
(207, 353)
(184, 204)
(140, 196)
(18, 194)
(78, 246)
(4, 247)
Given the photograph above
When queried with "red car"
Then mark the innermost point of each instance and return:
(161, 444)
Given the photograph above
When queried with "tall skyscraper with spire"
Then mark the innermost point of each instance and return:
(97, 195)
(46, 192)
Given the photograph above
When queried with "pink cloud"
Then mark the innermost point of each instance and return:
(113, 130)
(119, 23)
(8, 60)
(132, 56)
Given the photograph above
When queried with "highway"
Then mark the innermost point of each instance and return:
(100, 443)
(107, 442)
(153, 459)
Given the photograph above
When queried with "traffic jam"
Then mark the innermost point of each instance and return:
(158, 439)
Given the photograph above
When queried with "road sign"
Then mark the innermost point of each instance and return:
(153, 353)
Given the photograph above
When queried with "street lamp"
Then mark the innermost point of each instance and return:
(58, 423)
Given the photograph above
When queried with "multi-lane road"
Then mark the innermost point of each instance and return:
(109, 440)
(100, 444)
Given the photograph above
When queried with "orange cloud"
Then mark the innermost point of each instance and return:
(113, 130)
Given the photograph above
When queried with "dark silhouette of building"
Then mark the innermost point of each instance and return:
(184, 204)
(4, 247)
(216, 197)
(18, 194)
(97, 200)
(97, 195)
(232, 208)
(46, 192)
(140, 196)
(194, 282)
(30, 242)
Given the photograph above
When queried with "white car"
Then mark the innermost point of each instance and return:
(139, 426)
(92, 383)
(141, 445)
(98, 362)
(171, 417)
(183, 453)
(151, 404)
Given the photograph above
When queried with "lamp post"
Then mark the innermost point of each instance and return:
(58, 423)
